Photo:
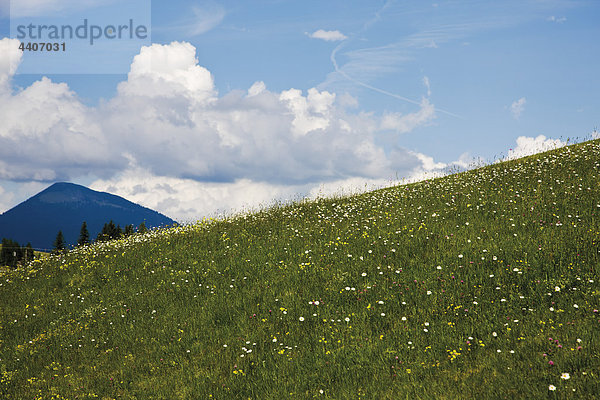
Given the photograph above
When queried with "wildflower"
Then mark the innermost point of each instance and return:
(552, 387)
(557, 289)
(301, 319)
(565, 376)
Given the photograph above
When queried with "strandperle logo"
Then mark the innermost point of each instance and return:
(84, 31)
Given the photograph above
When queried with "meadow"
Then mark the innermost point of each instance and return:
(483, 285)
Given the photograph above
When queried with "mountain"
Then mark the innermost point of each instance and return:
(64, 206)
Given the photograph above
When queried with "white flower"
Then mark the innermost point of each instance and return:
(428, 292)
(575, 305)
(557, 289)
(426, 323)
(383, 314)
(460, 256)
(439, 267)
(301, 319)
(494, 334)
(316, 303)
(403, 318)
(552, 387)
(364, 274)
(380, 302)
(565, 376)
(347, 319)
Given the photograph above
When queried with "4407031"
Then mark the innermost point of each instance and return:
(42, 46)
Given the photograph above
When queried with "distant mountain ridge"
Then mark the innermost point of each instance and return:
(64, 206)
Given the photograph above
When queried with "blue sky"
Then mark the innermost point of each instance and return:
(399, 89)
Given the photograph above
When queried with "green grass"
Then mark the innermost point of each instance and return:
(480, 285)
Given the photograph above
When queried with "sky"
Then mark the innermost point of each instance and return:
(228, 106)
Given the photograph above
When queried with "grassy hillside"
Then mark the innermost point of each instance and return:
(478, 285)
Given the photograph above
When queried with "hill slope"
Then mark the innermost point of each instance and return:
(477, 285)
(64, 206)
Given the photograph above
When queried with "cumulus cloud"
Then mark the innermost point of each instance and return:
(527, 146)
(48, 134)
(170, 141)
(11, 58)
(256, 88)
(406, 123)
(517, 107)
(168, 71)
(330, 36)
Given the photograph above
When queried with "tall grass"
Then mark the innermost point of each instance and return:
(480, 285)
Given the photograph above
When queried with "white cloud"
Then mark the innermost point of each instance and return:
(168, 71)
(256, 88)
(310, 112)
(427, 85)
(11, 58)
(517, 107)
(206, 18)
(559, 20)
(47, 134)
(406, 123)
(330, 36)
(187, 200)
(527, 146)
(168, 126)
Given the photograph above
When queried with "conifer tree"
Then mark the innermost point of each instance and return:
(84, 235)
(59, 242)
(29, 254)
(128, 230)
(142, 228)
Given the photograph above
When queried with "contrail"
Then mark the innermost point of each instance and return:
(366, 85)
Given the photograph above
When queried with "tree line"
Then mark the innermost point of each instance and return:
(109, 231)
(12, 254)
